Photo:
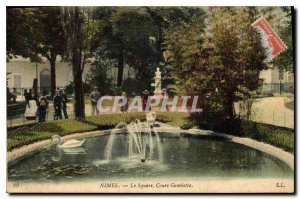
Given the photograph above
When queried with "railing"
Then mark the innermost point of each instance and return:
(272, 88)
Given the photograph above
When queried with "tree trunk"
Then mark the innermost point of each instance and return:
(230, 107)
(53, 77)
(160, 57)
(76, 55)
(79, 105)
(120, 68)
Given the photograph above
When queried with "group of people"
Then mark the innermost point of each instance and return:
(145, 97)
(95, 96)
(11, 96)
(37, 105)
(60, 104)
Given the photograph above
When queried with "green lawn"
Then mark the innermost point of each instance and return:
(278, 136)
(17, 137)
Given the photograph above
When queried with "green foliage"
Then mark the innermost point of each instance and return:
(285, 60)
(17, 137)
(69, 89)
(41, 35)
(35, 31)
(173, 118)
(134, 36)
(99, 75)
(19, 20)
(26, 135)
(277, 136)
(186, 126)
(219, 60)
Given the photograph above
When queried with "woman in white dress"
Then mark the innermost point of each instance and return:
(31, 109)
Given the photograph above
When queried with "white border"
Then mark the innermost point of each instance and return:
(4, 3)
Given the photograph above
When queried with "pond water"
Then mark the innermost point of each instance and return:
(178, 157)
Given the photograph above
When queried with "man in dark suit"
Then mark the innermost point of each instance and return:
(57, 104)
(64, 103)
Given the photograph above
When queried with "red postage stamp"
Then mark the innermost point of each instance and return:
(274, 43)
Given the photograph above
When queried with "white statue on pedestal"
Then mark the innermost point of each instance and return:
(157, 83)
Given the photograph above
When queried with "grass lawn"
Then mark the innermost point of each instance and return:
(278, 136)
(17, 137)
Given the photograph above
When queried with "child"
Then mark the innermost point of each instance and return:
(42, 110)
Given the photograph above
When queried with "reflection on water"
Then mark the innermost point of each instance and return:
(188, 157)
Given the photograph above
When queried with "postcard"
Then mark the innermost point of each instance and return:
(150, 99)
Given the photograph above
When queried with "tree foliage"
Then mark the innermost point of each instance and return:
(285, 60)
(219, 60)
(34, 33)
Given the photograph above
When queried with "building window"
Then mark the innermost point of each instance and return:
(45, 81)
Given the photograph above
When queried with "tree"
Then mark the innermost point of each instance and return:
(135, 36)
(16, 38)
(98, 75)
(222, 64)
(124, 36)
(50, 37)
(43, 35)
(285, 61)
(73, 22)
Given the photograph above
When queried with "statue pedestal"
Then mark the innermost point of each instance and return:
(157, 84)
(158, 93)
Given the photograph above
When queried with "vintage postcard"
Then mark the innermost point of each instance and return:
(150, 99)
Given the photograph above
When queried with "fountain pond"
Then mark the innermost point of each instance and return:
(143, 152)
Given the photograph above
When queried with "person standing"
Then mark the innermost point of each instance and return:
(57, 103)
(94, 97)
(64, 103)
(145, 99)
(31, 108)
(42, 109)
(125, 106)
(26, 96)
(165, 97)
(15, 94)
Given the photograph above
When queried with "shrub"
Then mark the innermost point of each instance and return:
(186, 126)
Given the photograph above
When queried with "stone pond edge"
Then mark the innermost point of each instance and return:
(288, 158)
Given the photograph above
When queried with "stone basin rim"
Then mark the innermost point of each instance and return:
(17, 154)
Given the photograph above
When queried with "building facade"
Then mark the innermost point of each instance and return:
(276, 82)
(21, 74)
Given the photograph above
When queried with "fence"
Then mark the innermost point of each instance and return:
(271, 88)
(277, 116)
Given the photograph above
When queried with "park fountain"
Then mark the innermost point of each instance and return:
(142, 136)
(142, 150)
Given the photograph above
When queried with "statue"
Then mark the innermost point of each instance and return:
(157, 83)
(157, 73)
